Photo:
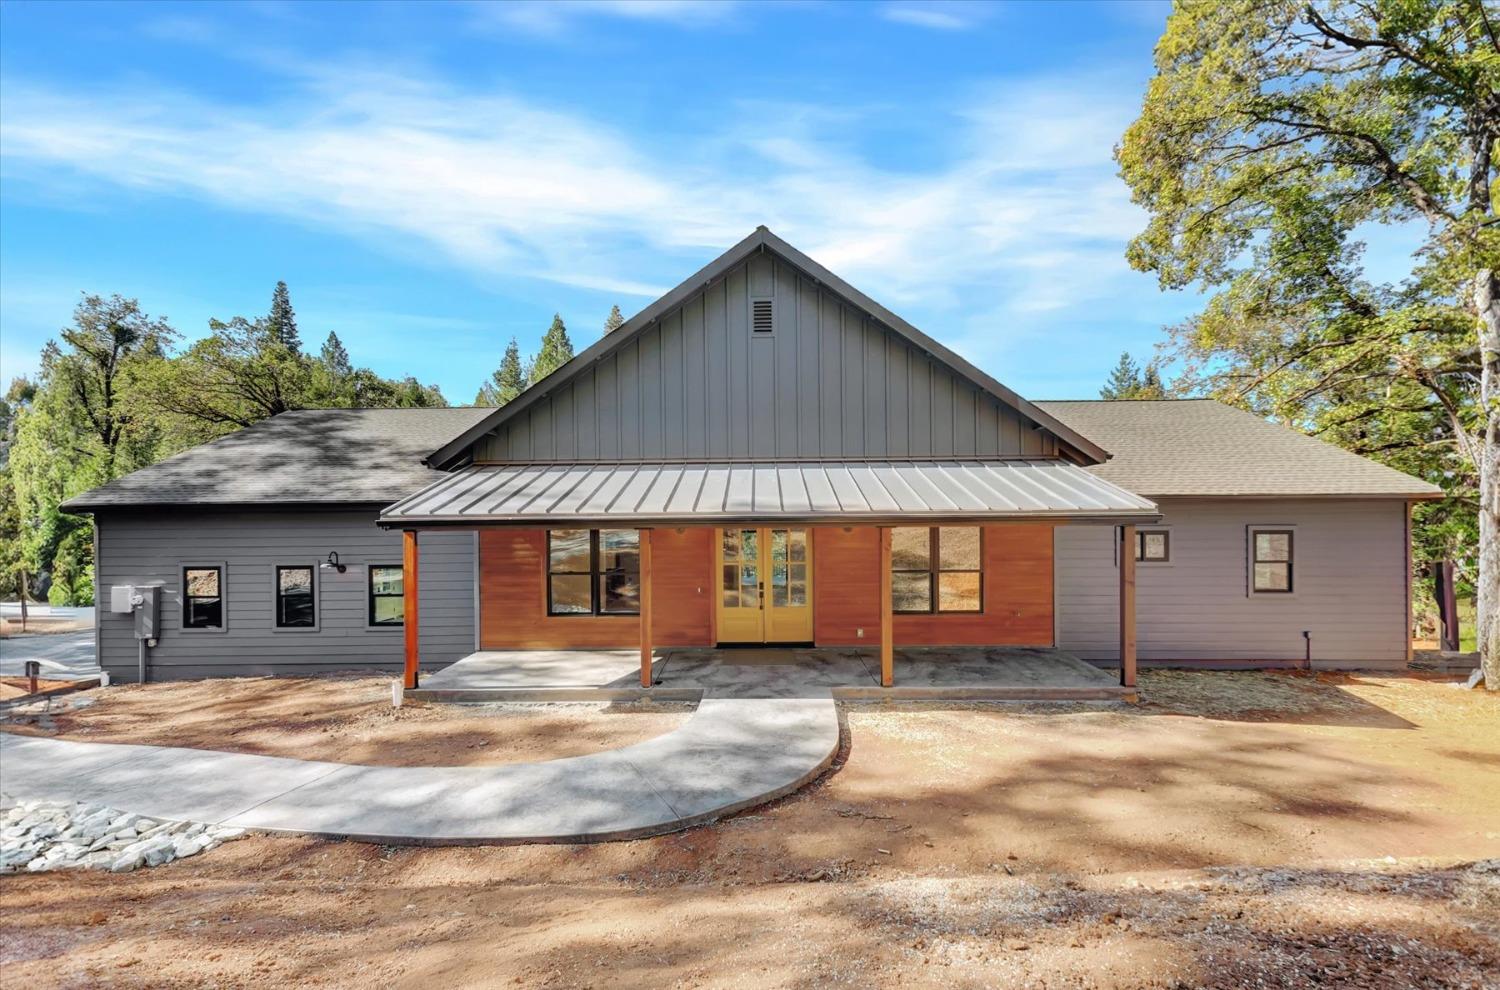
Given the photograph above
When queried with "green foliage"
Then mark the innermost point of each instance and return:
(335, 359)
(111, 398)
(556, 351)
(282, 321)
(1128, 381)
(508, 381)
(614, 320)
(1274, 134)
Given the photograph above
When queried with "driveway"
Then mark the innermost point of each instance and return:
(63, 656)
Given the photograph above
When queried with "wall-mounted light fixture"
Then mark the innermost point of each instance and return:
(332, 563)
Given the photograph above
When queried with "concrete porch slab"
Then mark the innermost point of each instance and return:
(928, 673)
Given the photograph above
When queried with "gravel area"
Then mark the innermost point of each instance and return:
(39, 836)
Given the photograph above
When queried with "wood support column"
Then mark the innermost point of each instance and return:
(887, 626)
(1127, 606)
(409, 616)
(646, 596)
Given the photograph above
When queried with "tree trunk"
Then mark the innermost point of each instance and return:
(1487, 461)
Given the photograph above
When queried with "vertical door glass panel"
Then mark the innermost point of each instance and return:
(779, 587)
(797, 586)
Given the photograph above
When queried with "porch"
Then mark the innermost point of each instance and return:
(999, 673)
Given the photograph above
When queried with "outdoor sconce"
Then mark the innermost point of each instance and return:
(332, 563)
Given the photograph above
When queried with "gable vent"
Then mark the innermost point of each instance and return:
(761, 316)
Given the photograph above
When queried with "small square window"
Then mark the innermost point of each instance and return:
(1153, 545)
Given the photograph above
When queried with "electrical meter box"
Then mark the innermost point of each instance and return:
(119, 598)
(147, 601)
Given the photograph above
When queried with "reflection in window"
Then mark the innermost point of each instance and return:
(387, 595)
(294, 598)
(593, 572)
(937, 569)
(202, 598)
(1272, 561)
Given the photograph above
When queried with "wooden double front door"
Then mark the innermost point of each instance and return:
(765, 585)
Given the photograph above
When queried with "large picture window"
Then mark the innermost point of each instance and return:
(937, 569)
(295, 605)
(593, 572)
(203, 598)
(387, 595)
(1271, 561)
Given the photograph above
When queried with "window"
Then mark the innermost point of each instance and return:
(1271, 560)
(1153, 545)
(202, 598)
(937, 569)
(295, 608)
(387, 595)
(593, 572)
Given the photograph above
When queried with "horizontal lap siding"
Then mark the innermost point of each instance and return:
(1349, 578)
(150, 548)
(513, 595)
(1017, 591)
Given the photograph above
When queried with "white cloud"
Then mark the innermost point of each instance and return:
(1022, 219)
(552, 18)
(937, 15)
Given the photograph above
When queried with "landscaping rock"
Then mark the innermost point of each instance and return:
(42, 836)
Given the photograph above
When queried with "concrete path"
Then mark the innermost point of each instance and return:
(733, 753)
(63, 656)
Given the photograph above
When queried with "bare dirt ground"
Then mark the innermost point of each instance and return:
(1268, 830)
(347, 719)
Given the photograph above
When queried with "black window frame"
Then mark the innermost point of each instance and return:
(596, 574)
(371, 596)
(1140, 546)
(935, 569)
(189, 599)
(1290, 562)
(278, 595)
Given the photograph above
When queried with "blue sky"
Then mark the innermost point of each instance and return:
(433, 179)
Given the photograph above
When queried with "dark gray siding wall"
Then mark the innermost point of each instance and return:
(1349, 585)
(827, 382)
(152, 547)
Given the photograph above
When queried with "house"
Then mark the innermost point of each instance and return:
(763, 455)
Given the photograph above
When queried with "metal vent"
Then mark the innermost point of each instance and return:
(761, 316)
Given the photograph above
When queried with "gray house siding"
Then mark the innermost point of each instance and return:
(151, 547)
(828, 382)
(1349, 589)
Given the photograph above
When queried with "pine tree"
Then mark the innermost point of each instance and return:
(283, 321)
(507, 382)
(614, 320)
(557, 350)
(335, 357)
(1123, 380)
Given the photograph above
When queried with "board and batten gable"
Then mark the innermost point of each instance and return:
(1348, 593)
(828, 381)
(151, 547)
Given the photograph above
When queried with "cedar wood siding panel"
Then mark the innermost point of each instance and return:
(1017, 591)
(513, 595)
(1348, 583)
(148, 548)
(827, 382)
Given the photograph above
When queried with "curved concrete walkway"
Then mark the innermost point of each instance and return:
(733, 753)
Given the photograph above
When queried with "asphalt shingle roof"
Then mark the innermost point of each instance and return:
(1190, 447)
(309, 456)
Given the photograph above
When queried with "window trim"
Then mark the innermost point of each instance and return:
(370, 596)
(595, 575)
(934, 569)
(317, 602)
(1251, 559)
(1140, 546)
(182, 596)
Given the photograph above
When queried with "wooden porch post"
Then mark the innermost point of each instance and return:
(646, 608)
(409, 617)
(887, 647)
(1127, 606)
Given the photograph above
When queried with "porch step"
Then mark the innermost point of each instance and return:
(984, 693)
(491, 695)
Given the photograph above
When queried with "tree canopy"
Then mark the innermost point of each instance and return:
(556, 350)
(1129, 381)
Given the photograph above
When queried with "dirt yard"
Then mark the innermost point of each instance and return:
(1269, 830)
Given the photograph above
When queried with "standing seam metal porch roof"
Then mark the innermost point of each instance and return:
(801, 491)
